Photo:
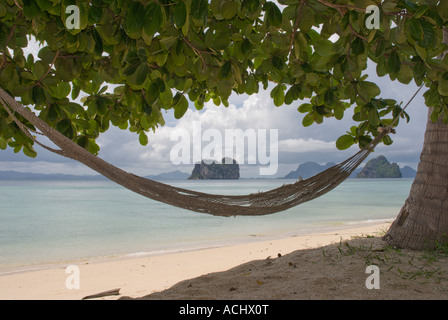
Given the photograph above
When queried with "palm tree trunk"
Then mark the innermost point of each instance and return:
(423, 220)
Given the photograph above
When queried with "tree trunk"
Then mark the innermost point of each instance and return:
(423, 220)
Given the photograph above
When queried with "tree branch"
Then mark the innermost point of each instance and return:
(198, 52)
(342, 8)
(357, 34)
(296, 25)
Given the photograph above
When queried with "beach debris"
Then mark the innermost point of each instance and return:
(112, 292)
(268, 260)
(260, 282)
(279, 255)
(232, 289)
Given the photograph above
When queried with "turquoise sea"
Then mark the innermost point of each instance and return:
(50, 222)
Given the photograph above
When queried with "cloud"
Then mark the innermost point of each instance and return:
(305, 145)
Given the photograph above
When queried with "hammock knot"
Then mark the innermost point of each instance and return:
(388, 129)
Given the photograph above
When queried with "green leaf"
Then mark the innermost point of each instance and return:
(339, 112)
(61, 91)
(199, 10)
(406, 74)
(277, 62)
(393, 64)
(3, 143)
(344, 142)
(31, 9)
(180, 107)
(305, 108)
(64, 127)
(329, 97)
(225, 70)
(306, 20)
(273, 14)
(278, 94)
(409, 4)
(29, 151)
(435, 115)
(421, 10)
(422, 52)
(229, 9)
(44, 4)
(98, 49)
(153, 18)
(428, 40)
(38, 70)
(38, 95)
(308, 120)
(135, 17)
(95, 14)
(245, 46)
(422, 32)
(387, 140)
(140, 74)
(180, 14)
(374, 118)
(251, 86)
(46, 54)
(369, 89)
(357, 46)
(143, 138)
(443, 84)
(415, 29)
(75, 91)
(323, 47)
(380, 47)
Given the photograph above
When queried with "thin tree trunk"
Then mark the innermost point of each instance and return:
(423, 220)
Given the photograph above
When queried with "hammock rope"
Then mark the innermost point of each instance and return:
(255, 204)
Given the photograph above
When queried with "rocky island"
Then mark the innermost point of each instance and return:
(228, 169)
(380, 167)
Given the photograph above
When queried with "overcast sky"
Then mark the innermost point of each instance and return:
(296, 144)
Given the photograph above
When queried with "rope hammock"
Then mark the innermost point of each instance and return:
(255, 204)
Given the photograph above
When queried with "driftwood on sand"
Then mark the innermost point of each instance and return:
(112, 292)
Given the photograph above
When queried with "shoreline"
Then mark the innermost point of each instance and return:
(252, 238)
(145, 273)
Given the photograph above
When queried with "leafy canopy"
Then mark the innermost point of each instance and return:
(159, 55)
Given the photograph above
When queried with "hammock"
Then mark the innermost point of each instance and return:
(256, 204)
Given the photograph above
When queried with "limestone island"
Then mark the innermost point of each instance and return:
(228, 169)
(380, 167)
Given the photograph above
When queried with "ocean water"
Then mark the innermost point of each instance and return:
(50, 222)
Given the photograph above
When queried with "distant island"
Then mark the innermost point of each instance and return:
(379, 167)
(229, 169)
(16, 175)
(308, 169)
(216, 170)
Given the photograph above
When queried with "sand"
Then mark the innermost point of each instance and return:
(328, 265)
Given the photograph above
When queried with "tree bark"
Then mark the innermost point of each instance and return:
(423, 220)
